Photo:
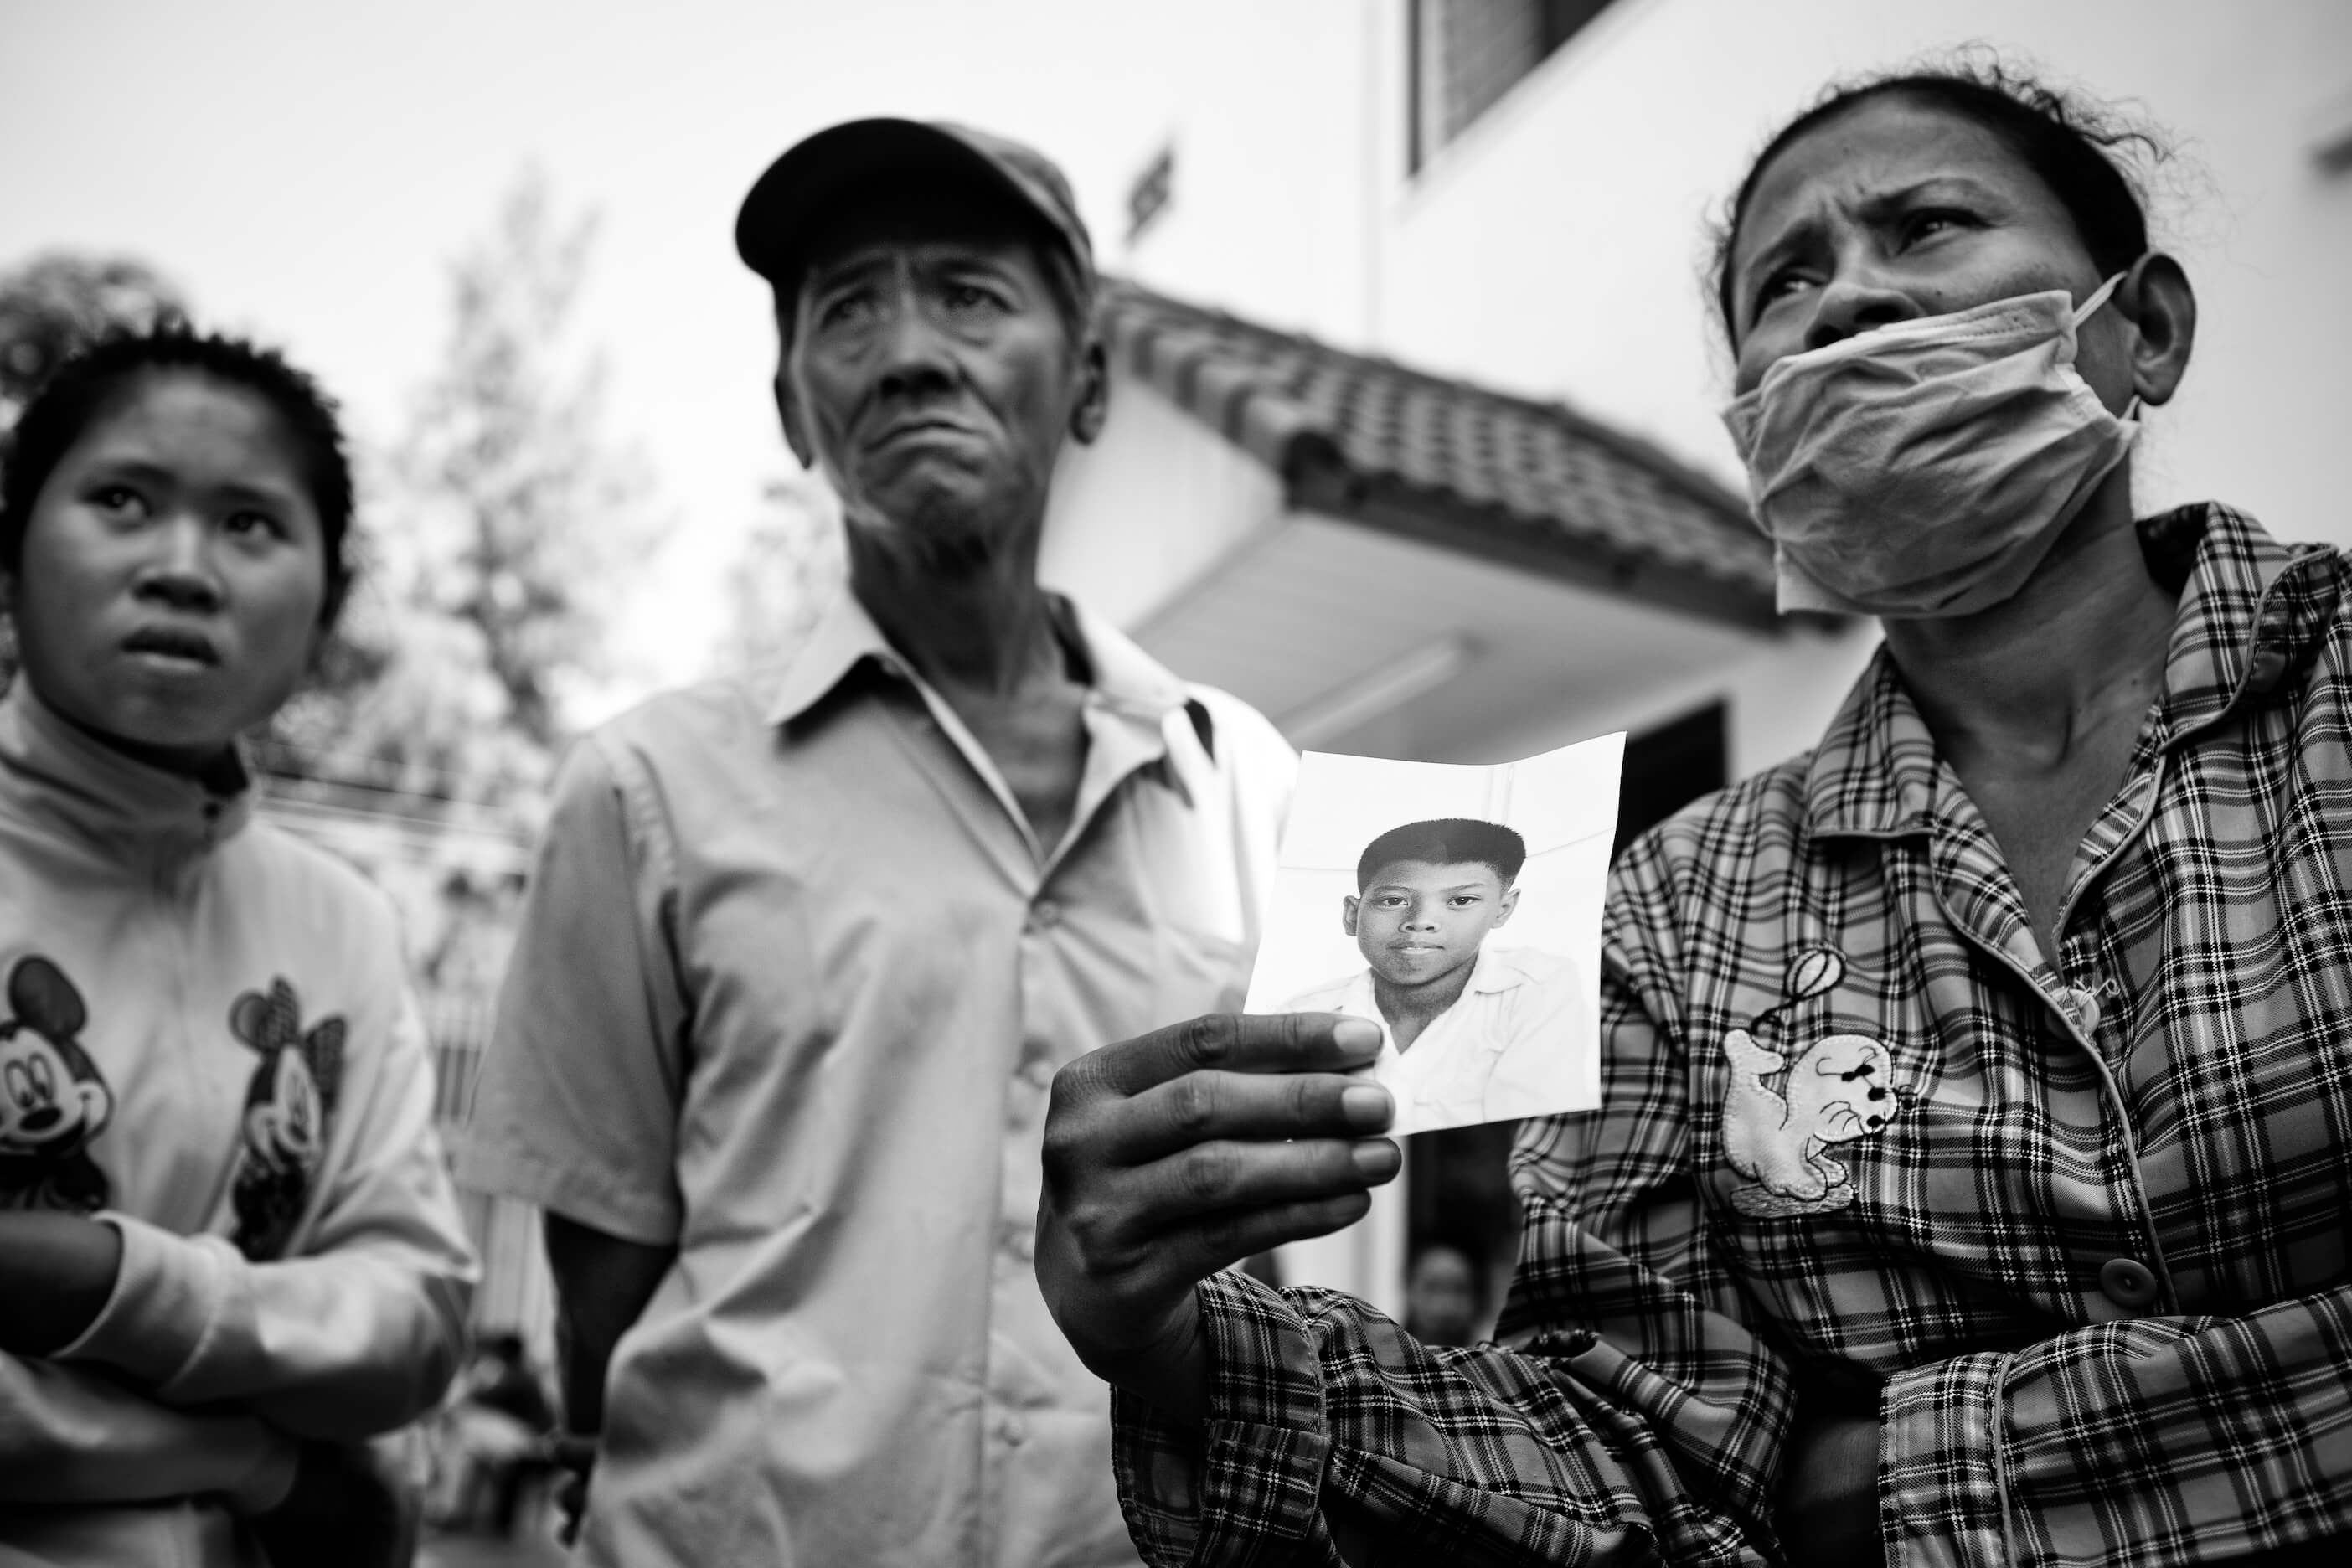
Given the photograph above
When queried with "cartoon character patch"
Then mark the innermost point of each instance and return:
(52, 1099)
(287, 1106)
(1836, 1090)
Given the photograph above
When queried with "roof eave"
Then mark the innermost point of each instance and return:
(1316, 478)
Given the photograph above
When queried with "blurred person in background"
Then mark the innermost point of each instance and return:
(1445, 1296)
(498, 1435)
(1971, 1174)
(229, 1252)
(804, 949)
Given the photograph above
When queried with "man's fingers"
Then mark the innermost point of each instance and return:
(1118, 1308)
(1140, 1270)
(1226, 1176)
(1226, 1239)
(1172, 1155)
(1235, 1042)
(1204, 1107)
(1119, 1223)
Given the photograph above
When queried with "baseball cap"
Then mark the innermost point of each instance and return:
(817, 175)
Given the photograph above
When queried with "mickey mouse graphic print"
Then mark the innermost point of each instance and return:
(55, 1102)
(287, 1105)
(53, 1099)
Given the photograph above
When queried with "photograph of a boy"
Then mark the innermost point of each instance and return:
(1471, 1032)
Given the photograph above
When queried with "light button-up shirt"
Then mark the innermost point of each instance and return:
(792, 988)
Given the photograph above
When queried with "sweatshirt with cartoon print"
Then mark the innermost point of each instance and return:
(206, 1041)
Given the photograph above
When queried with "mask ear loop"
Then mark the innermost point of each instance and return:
(2090, 307)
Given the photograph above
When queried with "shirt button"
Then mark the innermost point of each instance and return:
(2127, 1282)
(1020, 1241)
(1013, 1430)
(1038, 1071)
(1044, 915)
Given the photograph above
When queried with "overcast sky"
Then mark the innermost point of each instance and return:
(305, 170)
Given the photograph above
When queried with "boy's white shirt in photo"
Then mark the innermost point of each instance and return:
(1481, 1059)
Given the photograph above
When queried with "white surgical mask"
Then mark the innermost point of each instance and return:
(1926, 468)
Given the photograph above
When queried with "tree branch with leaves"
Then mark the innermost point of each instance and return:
(498, 524)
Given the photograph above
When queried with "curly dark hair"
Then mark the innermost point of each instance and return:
(2082, 148)
(94, 383)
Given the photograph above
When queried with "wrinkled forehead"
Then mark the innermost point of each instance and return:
(921, 220)
(1872, 150)
(1429, 877)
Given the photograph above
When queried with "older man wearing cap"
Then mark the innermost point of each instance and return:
(804, 950)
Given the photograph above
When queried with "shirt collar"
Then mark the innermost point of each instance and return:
(1875, 769)
(2250, 610)
(1494, 971)
(1124, 678)
(844, 635)
(1126, 685)
(124, 807)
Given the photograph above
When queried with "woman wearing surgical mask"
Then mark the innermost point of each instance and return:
(1972, 1177)
(1945, 315)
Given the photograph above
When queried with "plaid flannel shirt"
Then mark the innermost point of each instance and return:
(2074, 1225)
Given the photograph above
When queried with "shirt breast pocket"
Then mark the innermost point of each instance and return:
(1197, 972)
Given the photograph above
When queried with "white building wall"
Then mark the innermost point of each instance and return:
(1271, 111)
(1140, 516)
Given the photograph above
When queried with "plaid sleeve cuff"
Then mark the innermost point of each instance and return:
(1942, 1495)
(1242, 1486)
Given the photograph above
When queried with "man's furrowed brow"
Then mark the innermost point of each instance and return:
(1003, 263)
(848, 268)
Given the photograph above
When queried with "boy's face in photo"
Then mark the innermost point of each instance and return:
(1415, 922)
